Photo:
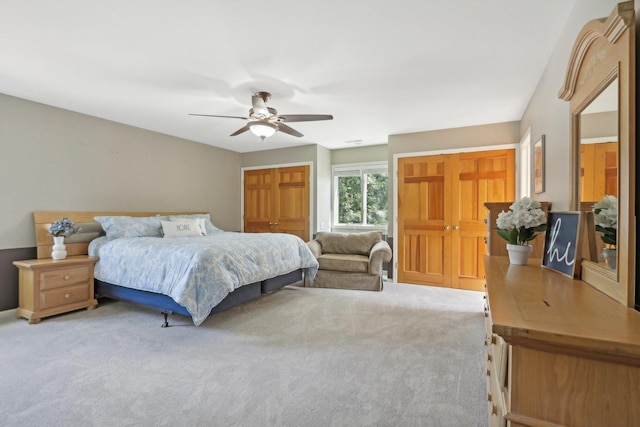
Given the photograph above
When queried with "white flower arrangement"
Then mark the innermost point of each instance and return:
(520, 224)
(63, 227)
(606, 219)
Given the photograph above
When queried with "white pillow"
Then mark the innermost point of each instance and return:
(209, 227)
(200, 222)
(188, 228)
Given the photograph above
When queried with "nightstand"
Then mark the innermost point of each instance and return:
(49, 287)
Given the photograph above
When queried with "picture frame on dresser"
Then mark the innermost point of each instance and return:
(563, 242)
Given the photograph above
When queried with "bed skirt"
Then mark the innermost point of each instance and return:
(166, 304)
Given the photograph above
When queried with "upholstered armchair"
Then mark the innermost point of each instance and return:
(349, 260)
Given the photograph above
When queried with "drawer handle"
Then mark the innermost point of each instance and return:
(67, 296)
(489, 358)
(493, 339)
(488, 372)
(67, 277)
(489, 397)
(494, 410)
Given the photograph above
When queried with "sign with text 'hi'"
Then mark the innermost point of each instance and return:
(562, 242)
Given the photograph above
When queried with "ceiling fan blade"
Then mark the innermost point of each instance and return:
(243, 129)
(224, 117)
(259, 106)
(289, 130)
(304, 117)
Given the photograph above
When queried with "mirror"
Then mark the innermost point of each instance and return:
(600, 86)
(598, 157)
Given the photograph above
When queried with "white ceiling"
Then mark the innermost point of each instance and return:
(380, 67)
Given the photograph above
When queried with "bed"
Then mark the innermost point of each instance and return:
(182, 273)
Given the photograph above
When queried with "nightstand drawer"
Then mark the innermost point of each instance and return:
(63, 296)
(63, 277)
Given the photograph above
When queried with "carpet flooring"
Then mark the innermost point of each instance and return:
(407, 356)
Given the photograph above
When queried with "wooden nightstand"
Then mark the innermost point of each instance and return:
(49, 287)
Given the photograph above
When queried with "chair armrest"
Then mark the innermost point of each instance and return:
(380, 253)
(316, 248)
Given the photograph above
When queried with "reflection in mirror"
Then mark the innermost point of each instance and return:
(599, 169)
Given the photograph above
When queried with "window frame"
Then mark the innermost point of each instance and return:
(361, 169)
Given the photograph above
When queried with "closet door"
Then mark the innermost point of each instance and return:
(424, 206)
(292, 201)
(276, 200)
(478, 177)
(441, 215)
(259, 200)
(599, 171)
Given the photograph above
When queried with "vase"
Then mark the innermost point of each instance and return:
(518, 254)
(610, 256)
(59, 251)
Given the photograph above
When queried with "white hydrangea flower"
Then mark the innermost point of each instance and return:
(606, 212)
(505, 220)
(523, 220)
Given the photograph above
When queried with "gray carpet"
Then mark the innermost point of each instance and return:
(407, 356)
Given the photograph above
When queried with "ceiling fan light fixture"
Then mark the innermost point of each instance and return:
(263, 129)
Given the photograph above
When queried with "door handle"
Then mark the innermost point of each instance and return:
(455, 227)
(446, 228)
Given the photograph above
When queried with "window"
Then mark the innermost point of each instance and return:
(361, 194)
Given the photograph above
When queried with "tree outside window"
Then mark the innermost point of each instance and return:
(362, 196)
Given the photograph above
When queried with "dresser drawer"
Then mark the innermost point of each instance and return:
(62, 296)
(64, 277)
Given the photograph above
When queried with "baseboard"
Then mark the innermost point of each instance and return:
(8, 314)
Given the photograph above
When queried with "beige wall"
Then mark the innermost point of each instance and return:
(599, 125)
(281, 156)
(547, 115)
(369, 153)
(54, 159)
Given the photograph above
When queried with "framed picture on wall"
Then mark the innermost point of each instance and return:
(538, 165)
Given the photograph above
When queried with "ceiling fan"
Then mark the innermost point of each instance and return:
(264, 121)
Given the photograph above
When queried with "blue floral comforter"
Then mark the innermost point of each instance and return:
(198, 272)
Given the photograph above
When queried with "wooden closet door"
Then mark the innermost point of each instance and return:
(423, 211)
(276, 200)
(441, 214)
(598, 171)
(478, 177)
(292, 201)
(259, 200)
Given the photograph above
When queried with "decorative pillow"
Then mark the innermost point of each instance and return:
(187, 228)
(348, 243)
(209, 227)
(121, 226)
(200, 221)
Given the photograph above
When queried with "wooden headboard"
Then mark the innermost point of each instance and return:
(77, 245)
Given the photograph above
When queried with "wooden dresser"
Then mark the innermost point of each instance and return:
(559, 352)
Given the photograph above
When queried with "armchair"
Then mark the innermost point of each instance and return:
(349, 260)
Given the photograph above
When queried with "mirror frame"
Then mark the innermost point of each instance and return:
(603, 51)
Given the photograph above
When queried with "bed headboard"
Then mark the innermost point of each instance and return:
(78, 244)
